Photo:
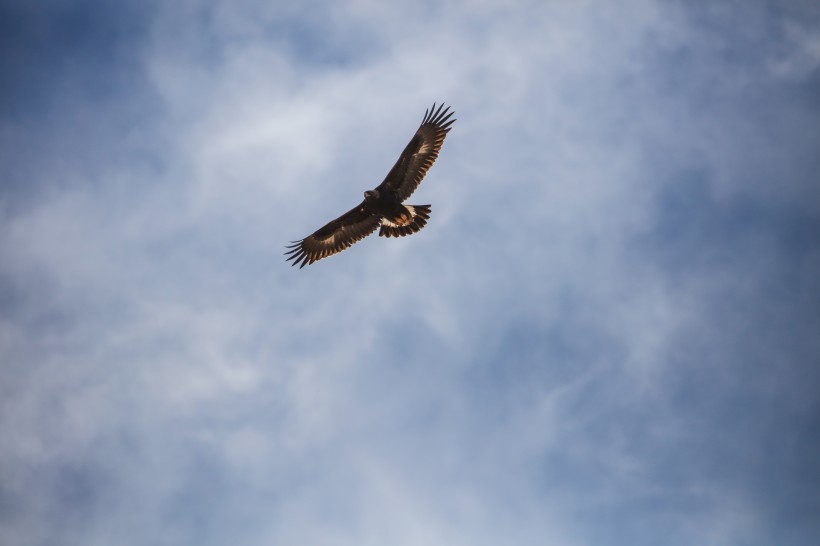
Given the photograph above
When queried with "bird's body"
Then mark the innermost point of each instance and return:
(383, 207)
(383, 203)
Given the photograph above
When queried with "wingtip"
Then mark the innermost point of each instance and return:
(439, 114)
(439, 109)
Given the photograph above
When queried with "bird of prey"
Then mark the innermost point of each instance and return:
(382, 207)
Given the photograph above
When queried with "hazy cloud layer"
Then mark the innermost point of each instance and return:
(607, 333)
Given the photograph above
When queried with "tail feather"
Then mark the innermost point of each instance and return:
(419, 216)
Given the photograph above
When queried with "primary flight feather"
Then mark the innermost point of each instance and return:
(382, 207)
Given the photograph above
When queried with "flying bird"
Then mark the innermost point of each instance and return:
(382, 207)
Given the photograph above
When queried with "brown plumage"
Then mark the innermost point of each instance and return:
(382, 207)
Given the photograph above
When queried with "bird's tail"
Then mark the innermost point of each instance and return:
(406, 224)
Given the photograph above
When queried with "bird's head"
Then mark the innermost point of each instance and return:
(371, 194)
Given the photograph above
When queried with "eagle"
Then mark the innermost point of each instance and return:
(382, 207)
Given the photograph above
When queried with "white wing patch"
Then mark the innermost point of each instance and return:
(403, 220)
(388, 223)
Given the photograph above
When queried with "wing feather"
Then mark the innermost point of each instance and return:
(420, 153)
(335, 236)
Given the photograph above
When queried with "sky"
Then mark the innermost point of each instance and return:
(607, 333)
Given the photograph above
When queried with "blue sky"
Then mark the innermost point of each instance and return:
(606, 335)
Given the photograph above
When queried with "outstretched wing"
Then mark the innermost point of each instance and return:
(351, 227)
(418, 156)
